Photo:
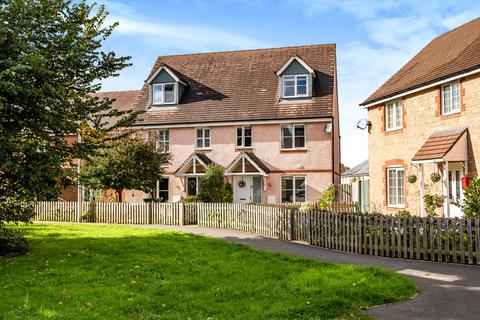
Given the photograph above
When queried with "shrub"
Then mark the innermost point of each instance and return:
(210, 188)
(432, 203)
(403, 214)
(227, 193)
(471, 201)
(327, 198)
(190, 199)
(12, 242)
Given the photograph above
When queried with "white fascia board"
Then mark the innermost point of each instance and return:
(230, 123)
(400, 95)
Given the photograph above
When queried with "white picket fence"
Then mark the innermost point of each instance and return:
(124, 213)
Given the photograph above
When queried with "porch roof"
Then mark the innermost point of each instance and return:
(257, 167)
(189, 166)
(445, 145)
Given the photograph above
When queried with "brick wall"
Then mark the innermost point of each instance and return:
(422, 117)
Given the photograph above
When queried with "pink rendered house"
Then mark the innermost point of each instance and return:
(269, 117)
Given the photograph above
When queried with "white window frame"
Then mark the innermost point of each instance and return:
(242, 145)
(203, 138)
(163, 140)
(454, 86)
(295, 79)
(397, 118)
(397, 204)
(162, 100)
(293, 185)
(294, 147)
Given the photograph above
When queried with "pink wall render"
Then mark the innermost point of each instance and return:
(315, 162)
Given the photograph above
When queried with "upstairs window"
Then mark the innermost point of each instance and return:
(203, 138)
(163, 93)
(295, 86)
(293, 136)
(393, 115)
(163, 141)
(244, 137)
(395, 187)
(451, 98)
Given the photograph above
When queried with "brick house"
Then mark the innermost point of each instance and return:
(269, 117)
(425, 119)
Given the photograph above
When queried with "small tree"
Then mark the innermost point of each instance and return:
(126, 164)
(471, 202)
(211, 186)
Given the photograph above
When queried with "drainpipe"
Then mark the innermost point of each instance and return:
(446, 188)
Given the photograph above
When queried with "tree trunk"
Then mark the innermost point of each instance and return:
(119, 192)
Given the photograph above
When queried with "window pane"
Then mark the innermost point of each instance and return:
(299, 131)
(192, 186)
(301, 80)
(287, 143)
(301, 90)
(169, 97)
(400, 190)
(157, 93)
(287, 131)
(392, 194)
(287, 196)
(199, 133)
(206, 133)
(239, 141)
(207, 143)
(446, 101)
(287, 183)
(300, 183)
(299, 142)
(457, 186)
(398, 114)
(199, 143)
(288, 91)
(248, 142)
(456, 96)
(169, 87)
(288, 81)
(248, 131)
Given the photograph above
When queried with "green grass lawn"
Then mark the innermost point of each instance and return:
(115, 272)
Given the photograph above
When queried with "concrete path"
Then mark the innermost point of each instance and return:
(448, 291)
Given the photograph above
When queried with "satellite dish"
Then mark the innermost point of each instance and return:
(363, 124)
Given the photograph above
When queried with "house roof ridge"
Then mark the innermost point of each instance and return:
(250, 50)
(118, 91)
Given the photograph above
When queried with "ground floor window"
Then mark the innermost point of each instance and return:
(192, 186)
(162, 190)
(293, 189)
(395, 187)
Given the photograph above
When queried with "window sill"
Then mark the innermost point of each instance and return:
(243, 148)
(396, 207)
(203, 149)
(393, 129)
(293, 150)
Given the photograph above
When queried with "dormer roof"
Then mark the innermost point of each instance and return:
(299, 60)
(168, 70)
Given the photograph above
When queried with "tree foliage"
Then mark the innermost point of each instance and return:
(51, 64)
(327, 198)
(471, 199)
(128, 163)
(211, 185)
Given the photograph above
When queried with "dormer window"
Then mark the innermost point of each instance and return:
(295, 86)
(163, 93)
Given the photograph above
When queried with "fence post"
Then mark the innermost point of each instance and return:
(293, 213)
(181, 213)
(149, 212)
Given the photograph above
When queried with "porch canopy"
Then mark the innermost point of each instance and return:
(194, 165)
(247, 164)
(444, 146)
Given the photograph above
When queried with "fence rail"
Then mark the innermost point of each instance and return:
(434, 239)
(108, 212)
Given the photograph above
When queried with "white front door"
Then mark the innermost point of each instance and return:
(243, 189)
(455, 174)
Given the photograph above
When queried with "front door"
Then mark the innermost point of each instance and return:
(243, 190)
(455, 195)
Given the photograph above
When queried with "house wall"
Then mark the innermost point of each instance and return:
(315, 162)
(421, 117)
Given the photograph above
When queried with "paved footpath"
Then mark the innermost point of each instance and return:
(448, 291)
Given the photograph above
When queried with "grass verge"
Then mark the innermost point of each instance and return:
(116, 272)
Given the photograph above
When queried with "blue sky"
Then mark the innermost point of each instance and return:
(374, 39)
